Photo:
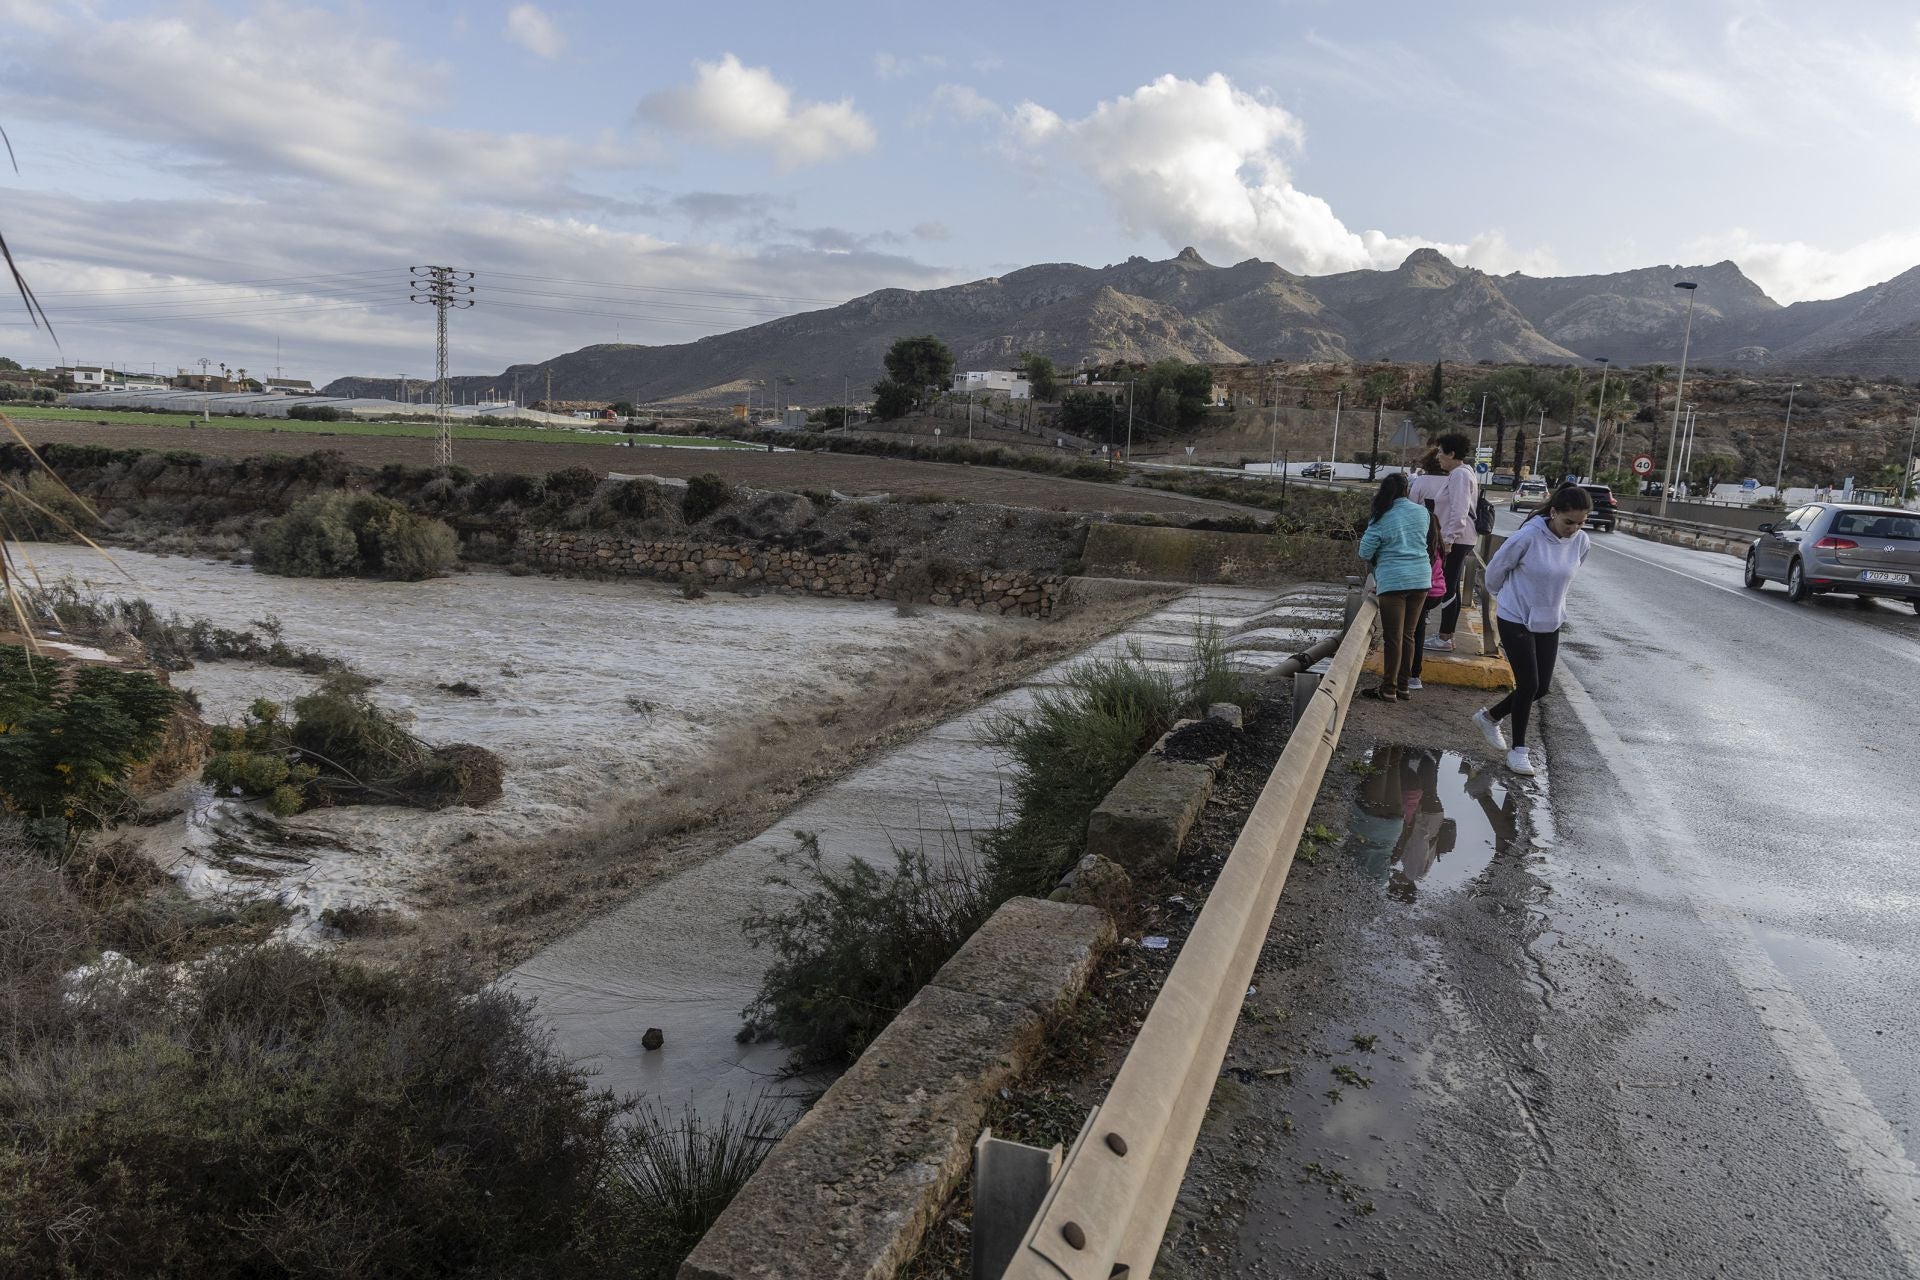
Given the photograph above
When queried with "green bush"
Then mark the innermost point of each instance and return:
(278, 1112)
(852, 945)
(706, 494)
(41, 509)
(1068, 752)
(335, 535)
(68, 738)
(314, 413)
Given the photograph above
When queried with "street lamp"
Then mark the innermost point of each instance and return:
(1679, 392)
(1599, 407)
(1781, 471)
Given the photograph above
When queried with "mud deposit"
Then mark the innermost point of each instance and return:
(590, 692)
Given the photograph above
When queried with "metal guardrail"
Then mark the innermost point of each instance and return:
(1692, 526)
(1104, 1215)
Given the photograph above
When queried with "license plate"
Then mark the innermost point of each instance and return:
(1870, 576)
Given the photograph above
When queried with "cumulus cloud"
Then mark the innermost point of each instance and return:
(729, 102)
(1795, 271)
(533, 30)
(962, 102)
(1202, 163)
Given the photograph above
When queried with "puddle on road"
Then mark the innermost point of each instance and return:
(1429, 820)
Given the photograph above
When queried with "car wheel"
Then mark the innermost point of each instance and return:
(1916, 606)
(1797, 589)
(1754, 581)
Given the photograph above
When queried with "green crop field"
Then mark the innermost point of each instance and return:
(406, 430)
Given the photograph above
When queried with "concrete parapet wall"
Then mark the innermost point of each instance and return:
(1731, 542)
(849, 1193)
(848, 575)
(1166, 554)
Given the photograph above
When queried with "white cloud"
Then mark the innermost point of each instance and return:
(533, 30)
(931, 231)
(958, 101)
(729, 102)
(1200, 163)
(1795, 271)
(888, 66)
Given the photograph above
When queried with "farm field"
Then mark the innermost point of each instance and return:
(393, 430)
(846, 473)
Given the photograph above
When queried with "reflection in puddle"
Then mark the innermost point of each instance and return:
(1429, 818)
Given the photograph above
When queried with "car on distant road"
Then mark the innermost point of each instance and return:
(1652, 489)
(1317, 471)
(1605, 509)
(1531, 493)
(1831, 548)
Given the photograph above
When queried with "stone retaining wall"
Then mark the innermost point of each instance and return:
(848, 575)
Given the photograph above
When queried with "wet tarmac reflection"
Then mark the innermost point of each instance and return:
(1428, 818)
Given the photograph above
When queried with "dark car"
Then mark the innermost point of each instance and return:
(1827, 547)
(1605, 509)
(1652, 489)
(1317, 471)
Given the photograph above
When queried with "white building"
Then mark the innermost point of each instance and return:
(83, 375)
(993, 382)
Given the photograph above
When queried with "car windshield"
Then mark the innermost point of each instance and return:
(1876, 524)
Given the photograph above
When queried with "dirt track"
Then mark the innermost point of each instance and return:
(846, 473)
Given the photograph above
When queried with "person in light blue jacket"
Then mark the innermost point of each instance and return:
(1398, 546)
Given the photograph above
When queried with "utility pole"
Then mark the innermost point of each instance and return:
(443, 289)
(1679, 392)
(1480, 434)
(1129, 420)
(1334, 462)
(1373, 455)
(1599, 408)
(1780, 471)
(1273, 449)
(1906, 481)
(1539, 439)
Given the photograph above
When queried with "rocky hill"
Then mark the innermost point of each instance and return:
(1427, 308)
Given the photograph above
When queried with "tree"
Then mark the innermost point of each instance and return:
(1083, 413)
(1437, 389)
(1041, 378)
(624, 409)
(922, 366)
(891, 400)
(11, 366)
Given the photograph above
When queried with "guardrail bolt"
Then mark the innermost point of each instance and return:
(1120, 1271)
(1116, 1144)
(1074, 1236)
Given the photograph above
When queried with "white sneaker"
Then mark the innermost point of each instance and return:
(1414, 683)
(1518, 761)
(1440, 644)
(1490, 730)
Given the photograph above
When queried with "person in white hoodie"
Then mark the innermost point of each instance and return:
(1530, 576)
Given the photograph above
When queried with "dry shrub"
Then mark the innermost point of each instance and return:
(278, 1112)
(43, 934)
(336, 535)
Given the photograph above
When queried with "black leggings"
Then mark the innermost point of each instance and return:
(1456, 563)
(1531, 655)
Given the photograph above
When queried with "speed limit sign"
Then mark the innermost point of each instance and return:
(1642, 465)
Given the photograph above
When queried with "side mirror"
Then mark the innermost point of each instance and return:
(1767, 527)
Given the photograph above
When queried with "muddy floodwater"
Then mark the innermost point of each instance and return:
(674, 957)
(588, 691)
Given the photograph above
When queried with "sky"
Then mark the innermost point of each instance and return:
(250, 183)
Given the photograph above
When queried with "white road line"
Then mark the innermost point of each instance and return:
(1866, 1142)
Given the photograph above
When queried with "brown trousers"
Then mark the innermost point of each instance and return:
(1400, 636)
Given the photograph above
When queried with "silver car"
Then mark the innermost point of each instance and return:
(1828, 547)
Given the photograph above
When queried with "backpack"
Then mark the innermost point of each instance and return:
(1482, 515)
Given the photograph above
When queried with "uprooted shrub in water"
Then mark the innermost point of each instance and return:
(338, 746)
(340, 535)
(852, 945)
(172, 643)
(69, 736)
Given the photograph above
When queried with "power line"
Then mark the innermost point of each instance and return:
(230, 284)
(661, 288)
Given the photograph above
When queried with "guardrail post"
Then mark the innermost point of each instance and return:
(1354, 596)
(1010, 1182)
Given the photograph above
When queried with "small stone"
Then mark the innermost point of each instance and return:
(653, 1039)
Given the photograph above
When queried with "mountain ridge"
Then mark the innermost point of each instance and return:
(1186, 308)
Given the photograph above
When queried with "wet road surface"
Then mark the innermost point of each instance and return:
(1651, 1014)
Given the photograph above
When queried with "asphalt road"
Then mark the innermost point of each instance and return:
(1653, 1014)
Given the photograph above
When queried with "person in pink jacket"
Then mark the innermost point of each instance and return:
(1458, 496)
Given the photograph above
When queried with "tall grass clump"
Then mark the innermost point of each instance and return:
(1211, 677)
(342, 535)
(1067, 753)
(853, 944)
(672, 1177)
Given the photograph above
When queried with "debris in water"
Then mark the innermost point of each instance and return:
(1202, 740)
(1154, 943)
(461, 689)
(653, 1039)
